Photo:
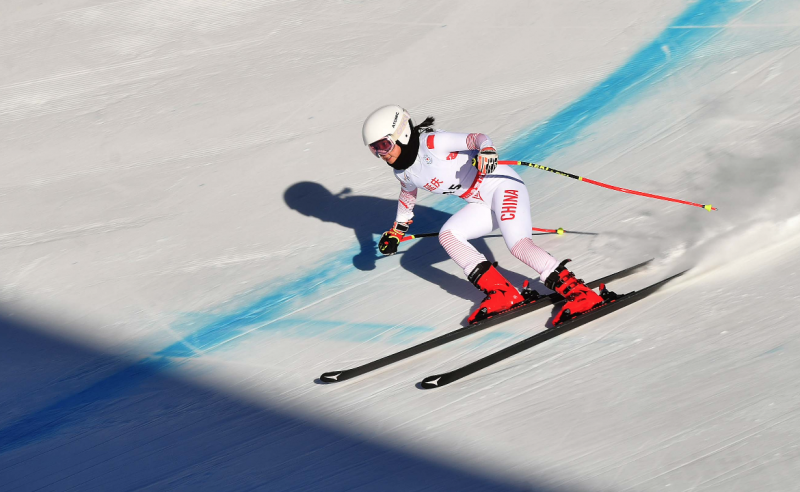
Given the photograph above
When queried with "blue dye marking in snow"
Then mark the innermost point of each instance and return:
(292, 327)
(777, 349)
(268, 312)
(492, 337)
(43, 423)
(286, 296)
(353, 332)
(650, 65)
(646, 68)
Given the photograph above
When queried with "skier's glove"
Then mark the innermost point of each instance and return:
(486, 162)
(391, 238)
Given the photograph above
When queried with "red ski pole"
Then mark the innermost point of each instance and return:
(598, 183)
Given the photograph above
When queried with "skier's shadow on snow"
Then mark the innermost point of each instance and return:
(370, 217)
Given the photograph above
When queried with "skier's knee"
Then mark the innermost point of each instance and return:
(513, 241)
(445, 237)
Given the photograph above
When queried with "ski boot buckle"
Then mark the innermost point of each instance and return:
(606, 294)
(529, 294)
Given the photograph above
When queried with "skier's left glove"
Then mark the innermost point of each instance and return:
(391, 238)
(486, 162)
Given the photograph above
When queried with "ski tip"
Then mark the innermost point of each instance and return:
(431, 382)
(670, 278)
(331, 377)
(679, 274)
(638, 267)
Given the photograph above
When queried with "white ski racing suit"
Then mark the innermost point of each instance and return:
(500, 199)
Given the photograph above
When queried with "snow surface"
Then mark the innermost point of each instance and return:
(188, 227)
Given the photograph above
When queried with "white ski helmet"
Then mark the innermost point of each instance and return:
(389, 121)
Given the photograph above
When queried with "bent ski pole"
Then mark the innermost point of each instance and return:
(598, 183)
(558, 231)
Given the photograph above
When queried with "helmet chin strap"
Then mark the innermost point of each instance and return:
(408, 152)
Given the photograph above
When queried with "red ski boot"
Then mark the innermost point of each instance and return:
(500, 294)
(579, 297)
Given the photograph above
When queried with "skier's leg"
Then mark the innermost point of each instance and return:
(512, 210)
(474, 221)
(471, 222)
(511, 207)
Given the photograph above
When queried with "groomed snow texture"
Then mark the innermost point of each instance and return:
(188, 221)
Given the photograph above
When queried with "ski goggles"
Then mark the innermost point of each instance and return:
(382, 146)
(386, 144)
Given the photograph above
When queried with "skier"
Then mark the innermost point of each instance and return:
(465, 165)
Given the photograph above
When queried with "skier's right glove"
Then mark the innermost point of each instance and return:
(486, 161)
(391, 238)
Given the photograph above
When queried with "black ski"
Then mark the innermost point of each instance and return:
(615, 302)
(536, 302)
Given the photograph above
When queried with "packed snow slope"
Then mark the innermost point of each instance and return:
(188, 241)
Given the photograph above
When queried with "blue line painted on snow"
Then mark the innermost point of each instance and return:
(286, 297)
(218, 332)
(646, 68)
(494, 337)
(649, 66)
(43, 423)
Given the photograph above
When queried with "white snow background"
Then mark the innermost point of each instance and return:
(188, 226)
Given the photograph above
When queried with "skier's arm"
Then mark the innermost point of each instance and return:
(405, 205)
(405, 212)
(446, 142)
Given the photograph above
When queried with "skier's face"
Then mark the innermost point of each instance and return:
(392, 156)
